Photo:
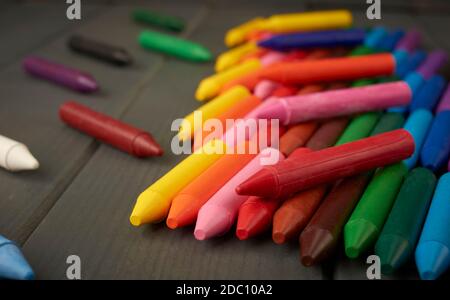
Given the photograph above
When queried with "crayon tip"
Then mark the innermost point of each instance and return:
(242, 234)
(315, 243)
(20, 159)
(87, 84)
(207, 89)
(430, 259)
(122, 57)
(12, 263)
(260, 184)
(358, 237)
(144, 146)
(253, 219)
(274, 111)
(212, 221)
(180, 214)
(287, 224)
(279, 237)
(149, 208)
(201, 54)
(393, 252)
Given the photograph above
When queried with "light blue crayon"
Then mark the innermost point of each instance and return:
(12, 263)
(417, 124)
(429, 94)
(433, 250)
(436, 148)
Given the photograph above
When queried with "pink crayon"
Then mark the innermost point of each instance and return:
(336, 103)
(217, 216)
(265, 88)
(272, 57)
(444, 104)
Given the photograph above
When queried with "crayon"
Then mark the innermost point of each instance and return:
(237, 35)
(295, 109)
(158, 19)
(96, 49)
(189, 200)
(259, 53)
(297, 136)
(444, 104)
(436, 148)
(13, 264)
(374, 36)
(62, 75)
(109, 130)
(174, 46)
(400, 233)
(284, 90)
(255, 214)
(286, 178)
(153, 204)
(265, 88)
(428, 95)
(432, 251)
(330, 69)
(360, 127)
(210, 110)
(412, 63)
(232, 57)
(15, 156)
(218, 214)
(409, 42)
(327, 134)
(366, 221)
(210, 86)
(390, 40)
(417, 124)
(319, 39)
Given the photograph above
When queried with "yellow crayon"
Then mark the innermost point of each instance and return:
(307, 21)
(210, 86)
(232, 57)
(237, 35)
(153, 204)
(212, 109)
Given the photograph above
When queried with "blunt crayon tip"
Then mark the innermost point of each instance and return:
(201, 54)
(391, 249)
(358, 236)
(13, 264)
(87, 84)
(19, 158)
(242, 234)
(260, 184)
(315, 243)
(430, 258)
(179, 215)
(148, 208)
(206, 90)
(144, 146)
(122, 57)
(135, 220)
(215, 222)
(279, 237)
(274, 111)
(172, 223)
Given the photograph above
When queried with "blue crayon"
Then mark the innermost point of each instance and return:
(436, 149)
(328, 38)
(428, 96)
(417, 124)
(412, 63)
(433, 250)
(389, 42)
(12, 263)
(375, 36)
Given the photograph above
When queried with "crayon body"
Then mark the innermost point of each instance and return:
(13, 264)
(433, 62)
(174, 46)
(360, 127)
(109, 130)
(157, 19)
(390, 40)
(109, 53)
(327, 134)
(237, 35)
(218, 214)
(366, 221)
(432, 252)
(15, 156)
(294, 109)
(290, 176)
(297, 136)
(428, 95)
(329, 38)
(189, 200)
(400, 233)
(414, 61)
(210, 86)
(232, 57)
(284, 90)
(153, 204)
(265, 88)
(417, 124)
(409, 42)
(436, 148)
(444, 104)
(60, 74)
(373, 38)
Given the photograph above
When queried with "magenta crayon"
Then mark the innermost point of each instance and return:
(57, 73)
(444, 103)
(218, 214)
(328, 104)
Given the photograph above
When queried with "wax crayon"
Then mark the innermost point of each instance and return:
(412, 63)
(286, 178)
(158, 19)
(284, 90)
(15, 156)
(432, 253)
(304, 40)
(109, 130)
(218, 214)
(330, 69)
(374, 36)
(232, 57)
(259, 53)
(255, 214)
(444, 104)
(189, 200)
(174, 46)
(297, 136)
(390, 40)
(433, 62)
(265, 88)
(237, 35)
(294, 109)
(360, 127)
(400, 233)
(417, 124)
(96, 49)
(436, 148)
(410, 41)
(153, 204)
(57, 73)
(327, 134)
(13, 264)
(366, 221)
(428, 95)
(210, 86)
(210, 110)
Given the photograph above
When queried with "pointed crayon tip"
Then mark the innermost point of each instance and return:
(212, 221)
(144, 146)
(87, 84)
(432, 259)
(315, 244)
(359, 235)
(13, 264)
(261, 184)
(207, 89)
(182, 212)
(393, 252)
(20, 159)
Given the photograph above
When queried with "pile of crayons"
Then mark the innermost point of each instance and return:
(363, 150)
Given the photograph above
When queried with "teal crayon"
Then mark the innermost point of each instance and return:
(418, 124)
(13, 264)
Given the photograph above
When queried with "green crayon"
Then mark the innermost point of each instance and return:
(157, 19)
(360, 127)
(388, 121)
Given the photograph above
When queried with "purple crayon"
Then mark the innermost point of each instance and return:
(434, 61)
(444, 104)
(410, 41)
(60, 74)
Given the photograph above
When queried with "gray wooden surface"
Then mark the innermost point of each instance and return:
(80, 200)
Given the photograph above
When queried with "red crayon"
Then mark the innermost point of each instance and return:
(327, 134)
(109, 130)
(327, 165)
(284, 91)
